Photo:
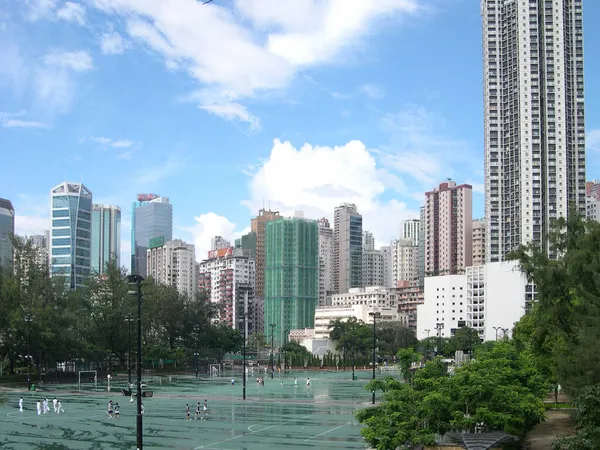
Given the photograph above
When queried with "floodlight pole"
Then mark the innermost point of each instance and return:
(374, 315)
(28, 320)
(137, 281)
(272, 325)
(196, 332)
(129, 320)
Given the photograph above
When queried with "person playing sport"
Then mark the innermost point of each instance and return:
(39, 407)
(187, 412)
(59, 408)
(233, 382)
(117, 411)
(21, 404)
(197, 412)
(308, 382)
(110, 409)
(54, 403)
(142, 409)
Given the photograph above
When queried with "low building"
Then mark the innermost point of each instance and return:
(370, 295)
(324, 316)
(490, 298)
(409, 297)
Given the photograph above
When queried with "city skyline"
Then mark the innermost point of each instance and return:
(382, 135)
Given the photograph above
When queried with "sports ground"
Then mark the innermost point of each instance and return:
(272, 417)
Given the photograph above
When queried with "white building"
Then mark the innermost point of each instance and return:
(324, 316)
(372, 268)
(228, 277)
(410, 230)
(534, 131)
(488, 298)
(41, 242)
(405, 262)
(218, 243)
(325, 236)
(592, 209)
(173, 263)
(371, 295)
(368, 241)
(386, 258)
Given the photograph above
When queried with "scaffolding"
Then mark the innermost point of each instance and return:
(291, 276)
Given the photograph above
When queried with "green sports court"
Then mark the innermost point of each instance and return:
(273, 416)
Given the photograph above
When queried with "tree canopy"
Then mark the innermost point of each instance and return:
(499, 390)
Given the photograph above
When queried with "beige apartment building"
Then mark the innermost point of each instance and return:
(478, 242)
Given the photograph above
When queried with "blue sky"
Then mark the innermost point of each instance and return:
(296, 104)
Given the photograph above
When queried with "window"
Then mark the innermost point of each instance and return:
(61, 222)
(61, 241)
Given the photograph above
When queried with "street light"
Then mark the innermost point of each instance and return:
(129, 320)
(272, 325)
(439, 327)
(496, 329)
(427, 347)
(28, 319)
(344, 348)
(285, 341)
(505, 333)
(136, 280)
(196, 332)
(374, 315)
(353, 364)
(244, 350)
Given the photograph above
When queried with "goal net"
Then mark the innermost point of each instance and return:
(215, 370)
(89, 378)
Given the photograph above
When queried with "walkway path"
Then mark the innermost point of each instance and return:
(557, 424)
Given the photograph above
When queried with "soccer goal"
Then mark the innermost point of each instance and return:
(89, 376)
(215, 370)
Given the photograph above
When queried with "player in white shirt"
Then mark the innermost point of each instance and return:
(59, 408)
(117, 410)
(39, 407)
(21, 404)
(45, 406)
(308, 382)
(110, 409)
(54, 402)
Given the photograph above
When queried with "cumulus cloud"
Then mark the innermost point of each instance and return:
(72, 12)
(206, 227)
(112, 43)
(261, 44)
(316, 179)
(78, 61)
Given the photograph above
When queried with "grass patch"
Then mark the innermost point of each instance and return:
(553, 406)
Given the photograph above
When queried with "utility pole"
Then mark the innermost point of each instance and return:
(244, 349)
(344, 349)
(28, 320)
(439, 327)
(353, 363)
(196, 332)
(375, 315)
(272, 326)
(129, 320)
(427, 346)
(136, 280)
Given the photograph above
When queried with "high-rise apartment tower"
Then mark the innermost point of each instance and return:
(347, 248)
(106, 236)
(534, 118)
(7, 229)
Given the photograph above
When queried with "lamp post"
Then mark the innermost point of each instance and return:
(439, 327)
(344, 348)
(427, 347)
(505, 333)
(272, 326)
(375, 315)
(196, 332)
(285, 341)
(136, 281)
(496, 329)
(28, 320)
(129, 320)
(353, 364)
(244, 353)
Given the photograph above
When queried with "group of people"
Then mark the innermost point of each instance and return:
(188, 414)
(114, 410)
(43, 406)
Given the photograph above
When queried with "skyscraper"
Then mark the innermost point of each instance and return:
(448, 229)
(325, 262)
(258, 226)
(7, 228)
(70, 249)
(534, 118)
(173, 263)
(347, 248)
(410, 230)
(291, 275)
(152, 218)
(106, 236)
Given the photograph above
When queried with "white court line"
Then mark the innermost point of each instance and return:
(251, 432)
(328, 431)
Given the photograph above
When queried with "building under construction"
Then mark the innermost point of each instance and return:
(291, 276)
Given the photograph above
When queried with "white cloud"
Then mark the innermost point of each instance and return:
(39, 9)
(78, 61)
(151, 175)
(112, 43)
(372, 90)
(28, 225)
(235, 51)
(120, 143)
(125, 155)
(16, 123)
(208, 226)
(343, 174)
(72, 12)
(593, 140)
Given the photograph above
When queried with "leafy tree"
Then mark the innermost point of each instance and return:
(500, 389)
(587, 421)
(406, 358)
(392, 336)
(257, 341)
(222, 340)
(466, 339)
